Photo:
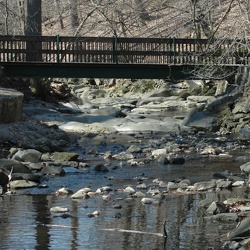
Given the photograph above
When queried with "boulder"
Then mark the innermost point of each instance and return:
(18, 167)
(28, 155)
(201, 120)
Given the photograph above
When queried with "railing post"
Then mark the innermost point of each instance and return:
(115, 48)
(57, 49)
(174, 43)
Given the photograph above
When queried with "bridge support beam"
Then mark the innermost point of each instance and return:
(79, 70)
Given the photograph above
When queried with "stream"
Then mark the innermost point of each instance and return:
(26, 221)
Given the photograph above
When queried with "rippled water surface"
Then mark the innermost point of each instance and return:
(26, 222)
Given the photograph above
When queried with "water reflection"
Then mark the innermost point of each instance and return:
(26, 223)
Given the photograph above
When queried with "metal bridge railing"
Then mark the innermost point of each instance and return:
(117, 50)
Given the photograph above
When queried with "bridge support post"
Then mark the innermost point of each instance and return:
(115, 49)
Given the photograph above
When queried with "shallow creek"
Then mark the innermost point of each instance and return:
(26, 222)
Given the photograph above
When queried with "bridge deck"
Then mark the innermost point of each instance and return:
(45, 56)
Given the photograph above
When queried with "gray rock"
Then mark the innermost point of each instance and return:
(224, 217)
(134, 149)
(141, 186)
(26, 176)
(201, 120)
(18, 167)
(18, 184)
(205, 203)
(58, 209)
(148, 201)
(28, 155)
(245, 168)
(204, 185)
(216, 207)
(172, 185)
(199, 99)
(80, 194)
(163, 160)
(221, 87)
(64, 192)
(139, 194)
(242, 230)
(36, 166)
(53, 170)
(163, 92)
(101, 168)
(64, 156)
(241, 107)
(123, 156)
(129, 190)
(223, 184)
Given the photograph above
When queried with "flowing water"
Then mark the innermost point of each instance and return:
(26, 221)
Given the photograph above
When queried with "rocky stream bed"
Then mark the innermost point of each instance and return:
(122, 161)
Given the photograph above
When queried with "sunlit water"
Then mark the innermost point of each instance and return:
(26, 222)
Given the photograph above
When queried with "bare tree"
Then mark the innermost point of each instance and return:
(34, 18)
(74, 15)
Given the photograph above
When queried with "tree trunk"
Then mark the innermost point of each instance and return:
(59, 14)
(21, 12)
(73, 15)
(34, 18)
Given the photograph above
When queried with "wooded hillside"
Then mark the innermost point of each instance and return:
(132, 18)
